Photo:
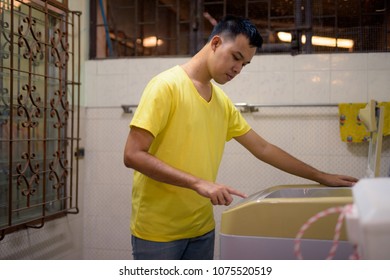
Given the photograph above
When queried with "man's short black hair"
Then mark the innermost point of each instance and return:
(232, 26)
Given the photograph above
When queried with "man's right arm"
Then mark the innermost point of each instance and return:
(137, 156)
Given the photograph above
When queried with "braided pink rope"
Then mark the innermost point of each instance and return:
(340, 209)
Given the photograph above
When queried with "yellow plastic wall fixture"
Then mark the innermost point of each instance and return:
(367, 116)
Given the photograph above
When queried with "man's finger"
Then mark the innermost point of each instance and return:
(237, 193)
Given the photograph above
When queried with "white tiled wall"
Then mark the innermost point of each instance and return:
(107, 186)
(311, 134)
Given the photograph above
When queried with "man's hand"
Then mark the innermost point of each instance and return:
(217, 193)
(334, 180)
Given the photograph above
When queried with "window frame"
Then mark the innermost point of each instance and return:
(51, 115)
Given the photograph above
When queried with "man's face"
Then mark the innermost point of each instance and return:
(229, 57)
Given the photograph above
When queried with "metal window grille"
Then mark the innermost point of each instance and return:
(39, 112)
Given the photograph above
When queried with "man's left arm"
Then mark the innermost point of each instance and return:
(282, 160)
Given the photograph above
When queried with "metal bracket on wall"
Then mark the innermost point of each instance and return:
(79, 153)
(127, 109)
(246, 108)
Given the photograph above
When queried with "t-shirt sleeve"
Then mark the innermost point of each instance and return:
(237, 124)
(153, 110)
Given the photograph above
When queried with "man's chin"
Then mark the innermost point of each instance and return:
(220, 82)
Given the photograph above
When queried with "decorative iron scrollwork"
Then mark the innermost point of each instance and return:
(59, 108)
(26, 182)
(4, 106)
(4, 26)
(58, 171)
(32, 47)
(24, 110)
(60, 48)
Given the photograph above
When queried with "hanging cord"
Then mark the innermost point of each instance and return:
(108, 39)
(342, 210)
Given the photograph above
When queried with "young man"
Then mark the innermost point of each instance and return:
(176, 142)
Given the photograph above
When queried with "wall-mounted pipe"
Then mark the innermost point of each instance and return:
(244, 107)
(250, 108)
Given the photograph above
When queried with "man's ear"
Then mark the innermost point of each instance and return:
(215, 42)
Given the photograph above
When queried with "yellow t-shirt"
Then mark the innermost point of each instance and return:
(190, 135)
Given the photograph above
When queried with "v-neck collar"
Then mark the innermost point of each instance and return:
(196, 90)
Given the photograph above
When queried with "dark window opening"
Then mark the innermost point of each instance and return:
(128, 28)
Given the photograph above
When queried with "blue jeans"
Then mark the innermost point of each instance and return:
(197, 248)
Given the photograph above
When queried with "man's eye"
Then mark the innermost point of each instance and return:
(235, 58)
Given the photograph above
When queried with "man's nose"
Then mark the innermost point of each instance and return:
(237, 68)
